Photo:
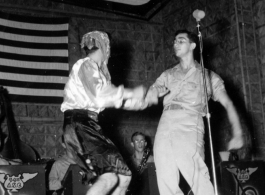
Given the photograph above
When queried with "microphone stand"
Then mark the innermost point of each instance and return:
(208, 115)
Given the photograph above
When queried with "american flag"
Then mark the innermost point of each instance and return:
(33, 57)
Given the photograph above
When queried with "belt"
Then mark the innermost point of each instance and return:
(79, 113)
(174, 107)
(179, 107)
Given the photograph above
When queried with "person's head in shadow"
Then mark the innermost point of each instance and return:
(138, 142)
(141, 150)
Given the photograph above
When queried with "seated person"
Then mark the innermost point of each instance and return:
(59, 169)
(138, 163)
(141, 155)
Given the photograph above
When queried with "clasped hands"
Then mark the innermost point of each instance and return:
(142, 98)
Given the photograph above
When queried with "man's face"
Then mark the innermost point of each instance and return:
(139, 143)
(182, 45)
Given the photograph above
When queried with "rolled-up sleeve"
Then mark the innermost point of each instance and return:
(160, 84)
(217, 85)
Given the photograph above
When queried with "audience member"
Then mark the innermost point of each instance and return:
(138, 163)
(142, 153)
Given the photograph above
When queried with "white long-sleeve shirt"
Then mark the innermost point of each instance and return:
(88, 88)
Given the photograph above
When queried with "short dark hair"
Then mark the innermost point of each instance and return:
(192, 36)
(137, 133)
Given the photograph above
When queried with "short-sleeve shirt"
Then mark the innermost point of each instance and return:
(187, 90)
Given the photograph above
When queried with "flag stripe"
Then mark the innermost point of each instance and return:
(34, 57)
(20, 31)
(34, 65)
(50, 46)
(35, 92)
(32, 39)
(29, 26)
(31, 85)
(41, 72)
(35, 99)
(35, 52)
(32, 78)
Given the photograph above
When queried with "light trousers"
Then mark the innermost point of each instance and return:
(179, 147)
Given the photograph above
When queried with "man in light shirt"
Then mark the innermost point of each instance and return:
(179, 144)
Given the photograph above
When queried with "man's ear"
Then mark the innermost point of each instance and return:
(145, 143)
(193, 46)
(132, 144)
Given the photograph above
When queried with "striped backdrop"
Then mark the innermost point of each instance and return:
(33, 58)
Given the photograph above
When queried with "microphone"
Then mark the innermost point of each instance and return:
(198, 15)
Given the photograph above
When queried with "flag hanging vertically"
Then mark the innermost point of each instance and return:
(33, 57)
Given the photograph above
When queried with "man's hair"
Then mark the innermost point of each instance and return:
(192, 36)
(137, 133)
